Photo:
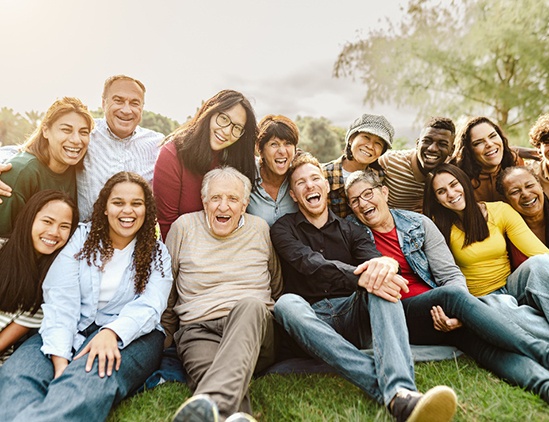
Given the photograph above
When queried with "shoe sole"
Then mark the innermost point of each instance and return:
(198, 408)
(439, 404)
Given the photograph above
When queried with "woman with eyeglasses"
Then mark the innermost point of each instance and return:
(476, 233)
(482, 152)
(223, 132)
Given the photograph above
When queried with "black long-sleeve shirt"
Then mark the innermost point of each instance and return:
(319, 263)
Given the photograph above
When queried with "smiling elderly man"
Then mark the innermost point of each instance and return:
(226, 277)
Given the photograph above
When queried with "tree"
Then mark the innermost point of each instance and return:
(472, 57)
(319, 137)
(14, 128)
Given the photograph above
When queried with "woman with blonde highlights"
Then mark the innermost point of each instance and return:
(48, 159)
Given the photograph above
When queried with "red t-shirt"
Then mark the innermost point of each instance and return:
(387, 244)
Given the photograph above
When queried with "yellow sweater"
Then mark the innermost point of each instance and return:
(486, 264)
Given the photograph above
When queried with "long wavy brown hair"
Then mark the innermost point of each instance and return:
(98, 248)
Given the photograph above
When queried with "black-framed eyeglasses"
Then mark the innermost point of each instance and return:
(223, 120)
(365, 195)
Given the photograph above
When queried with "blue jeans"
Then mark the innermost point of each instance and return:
(28, 391)
(529, 283)
(484, 329)
(333, 330)
(477, 316)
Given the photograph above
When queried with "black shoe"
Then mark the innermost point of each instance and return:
(200, 408)
(436, 405)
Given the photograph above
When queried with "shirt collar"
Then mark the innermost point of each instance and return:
(301, 219)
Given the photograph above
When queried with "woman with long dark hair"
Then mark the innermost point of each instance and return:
(103, 298)
(476, 233)
(482, 151)
(48, 159)
(43, 227)
(222, 132)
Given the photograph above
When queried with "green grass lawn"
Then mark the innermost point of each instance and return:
(482, 397)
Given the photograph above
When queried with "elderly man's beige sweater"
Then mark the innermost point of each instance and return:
(212, 273)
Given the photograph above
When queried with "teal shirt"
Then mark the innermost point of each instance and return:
(26, 177)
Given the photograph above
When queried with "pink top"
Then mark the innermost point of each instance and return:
(176, 189)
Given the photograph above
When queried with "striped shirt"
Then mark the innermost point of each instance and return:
(108, 154)
(24, 319)
(404, 179)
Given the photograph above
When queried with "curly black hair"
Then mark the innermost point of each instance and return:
(98, 245)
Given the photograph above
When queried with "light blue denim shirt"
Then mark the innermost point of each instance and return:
(262, 205)
(71, 297)
(424, 248)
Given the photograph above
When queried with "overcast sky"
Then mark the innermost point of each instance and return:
(280, 54)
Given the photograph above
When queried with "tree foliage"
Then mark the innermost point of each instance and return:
(16, 128)
(319, 137)
(467, 57)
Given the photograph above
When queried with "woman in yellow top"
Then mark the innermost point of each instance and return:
(476, 234)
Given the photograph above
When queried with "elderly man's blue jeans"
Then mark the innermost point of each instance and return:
(334, 331)
(28, 391)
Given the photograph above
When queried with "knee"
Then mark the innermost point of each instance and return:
(251, 305)
(289, 306)
(539, 264)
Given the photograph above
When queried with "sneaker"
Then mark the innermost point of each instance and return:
(199, 408)
(436, 405)
(240, 417)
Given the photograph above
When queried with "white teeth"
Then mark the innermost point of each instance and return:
(431, 157)
(48, 241)
(127, 220)
(528, 203)
(493, 152)
(453, 201)
(313, 195)
(368, 211)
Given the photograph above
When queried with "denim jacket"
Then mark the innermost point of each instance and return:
(424, 248)
(71, 297)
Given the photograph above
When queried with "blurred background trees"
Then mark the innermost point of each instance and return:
(459, 58)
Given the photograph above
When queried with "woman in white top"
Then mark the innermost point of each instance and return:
(103, 298)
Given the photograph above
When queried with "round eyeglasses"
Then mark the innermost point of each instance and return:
(223, 120)
(365, 195)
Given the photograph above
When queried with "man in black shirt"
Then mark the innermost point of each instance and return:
(343, 296)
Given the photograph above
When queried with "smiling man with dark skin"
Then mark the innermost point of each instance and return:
(406, 170)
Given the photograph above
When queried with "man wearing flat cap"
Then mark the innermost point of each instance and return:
(368, 137)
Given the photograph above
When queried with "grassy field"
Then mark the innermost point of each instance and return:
(482, 397)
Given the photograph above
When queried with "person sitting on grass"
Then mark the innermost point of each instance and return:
(227, 277)
(341, 294)
(103, 298)
(42, 228)
(438, 308)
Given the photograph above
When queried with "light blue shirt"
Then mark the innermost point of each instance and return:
(262, 205)
(71, 300)
(108, 154)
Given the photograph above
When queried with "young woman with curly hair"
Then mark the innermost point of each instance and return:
(42, 228)
(222, 132)
(482, 152)
(103, 298)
